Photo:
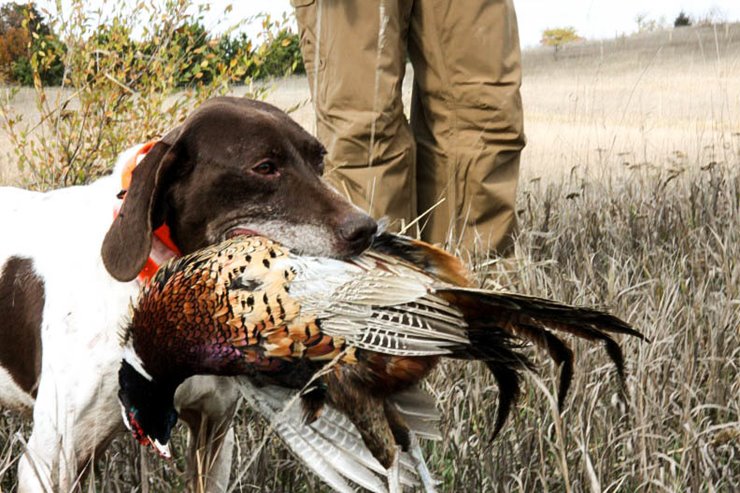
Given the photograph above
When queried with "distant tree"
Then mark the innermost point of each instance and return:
(279, 54)
(26, 40)
(682, 20)
(197, 54)
(14, 43)
(13, 15)
(557, 37)
(31, 53)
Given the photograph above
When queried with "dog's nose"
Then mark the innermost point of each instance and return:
(357, 230)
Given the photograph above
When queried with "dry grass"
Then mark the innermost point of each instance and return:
(661, 253)
(656, 241)
(669, 99)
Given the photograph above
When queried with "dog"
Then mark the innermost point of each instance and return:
(68, 274)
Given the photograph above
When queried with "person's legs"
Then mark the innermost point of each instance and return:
(355, 55)
(467, 119)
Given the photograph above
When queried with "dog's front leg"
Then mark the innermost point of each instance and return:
(76, 413)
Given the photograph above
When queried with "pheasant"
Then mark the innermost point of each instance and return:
(352, 339)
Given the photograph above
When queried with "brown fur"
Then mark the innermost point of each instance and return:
(22, 304)
(200, 179)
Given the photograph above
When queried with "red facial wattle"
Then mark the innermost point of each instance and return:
(144, 440)
(136, 430)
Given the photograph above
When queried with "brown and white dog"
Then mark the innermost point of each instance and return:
(234, 166)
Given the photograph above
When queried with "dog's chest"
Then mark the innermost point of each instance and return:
(63, 295)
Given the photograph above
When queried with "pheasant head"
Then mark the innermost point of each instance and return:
(208, 313)
(147, 406)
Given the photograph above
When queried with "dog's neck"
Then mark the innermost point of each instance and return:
(163, 248)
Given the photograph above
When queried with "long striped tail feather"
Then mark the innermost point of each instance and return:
(497, 320)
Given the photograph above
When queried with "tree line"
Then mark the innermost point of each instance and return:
(32, 52)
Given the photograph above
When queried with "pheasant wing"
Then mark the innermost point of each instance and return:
(378, 305)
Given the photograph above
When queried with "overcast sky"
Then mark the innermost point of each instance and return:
(593, 19)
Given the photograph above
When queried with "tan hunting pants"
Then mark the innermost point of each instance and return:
(463, 143)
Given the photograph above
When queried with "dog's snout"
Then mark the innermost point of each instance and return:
(357, 230)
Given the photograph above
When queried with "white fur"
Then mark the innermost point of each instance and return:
(76, 409)
(306, 239)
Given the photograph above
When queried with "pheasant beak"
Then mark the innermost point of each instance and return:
(130, 421)
(162, 449)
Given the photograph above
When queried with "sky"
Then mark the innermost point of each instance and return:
(593, 19)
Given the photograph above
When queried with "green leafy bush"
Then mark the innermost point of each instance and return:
(29, 45)
(44, 61)
(280, 54)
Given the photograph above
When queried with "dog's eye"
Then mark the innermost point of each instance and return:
(265, 168)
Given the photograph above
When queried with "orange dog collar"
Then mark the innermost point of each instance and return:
(163, 248)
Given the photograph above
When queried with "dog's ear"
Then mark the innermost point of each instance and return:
(129, 240)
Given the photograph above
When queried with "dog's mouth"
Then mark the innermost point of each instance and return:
(239, 231)
(301, 239)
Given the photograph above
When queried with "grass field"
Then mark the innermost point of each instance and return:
(630, 200)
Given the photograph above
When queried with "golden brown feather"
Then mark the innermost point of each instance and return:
(250, 307)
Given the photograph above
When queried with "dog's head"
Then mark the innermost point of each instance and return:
(235, 166)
